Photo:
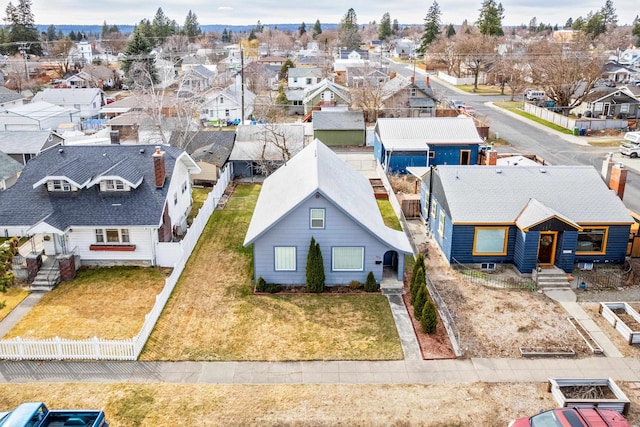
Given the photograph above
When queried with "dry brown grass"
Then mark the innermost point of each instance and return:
(213, 314)
(10, 299)
(109, 303)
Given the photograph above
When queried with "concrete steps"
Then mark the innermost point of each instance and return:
(552, 279)
(46, 279)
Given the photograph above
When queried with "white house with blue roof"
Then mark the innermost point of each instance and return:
(530, 216)
(109, 204)
(316, 194)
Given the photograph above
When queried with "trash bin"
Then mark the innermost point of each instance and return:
(583, 132)
(575, 131)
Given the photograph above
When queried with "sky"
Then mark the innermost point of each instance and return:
(248, 12)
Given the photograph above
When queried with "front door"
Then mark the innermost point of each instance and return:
(547, 248)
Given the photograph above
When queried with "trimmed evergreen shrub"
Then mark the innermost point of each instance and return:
(421, 300)
(370, 285)
(315, 268)
(416, 282)
(261, 286)
(429, 319)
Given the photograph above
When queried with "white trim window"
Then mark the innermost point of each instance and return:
(114, 185)
(316, 218)
(59, 185)
(112, 235)
(284, 258)
(347, 258)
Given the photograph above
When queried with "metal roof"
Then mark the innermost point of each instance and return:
(416, 133)
(318, 169)
(68, 96)
(338, 120)
(489, 194)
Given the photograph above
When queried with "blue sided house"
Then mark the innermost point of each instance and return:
(530, 216)
(426, 141)
(317, 194)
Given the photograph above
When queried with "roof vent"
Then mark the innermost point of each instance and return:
(60, 150)
(142, 151)
(543, 170)
(498, 170)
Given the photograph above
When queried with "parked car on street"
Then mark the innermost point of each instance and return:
(457, 104)
(573, 417)
(467, 109)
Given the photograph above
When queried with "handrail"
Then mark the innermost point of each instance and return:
(55, 269)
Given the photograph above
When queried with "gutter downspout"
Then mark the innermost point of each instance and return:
(431, 168)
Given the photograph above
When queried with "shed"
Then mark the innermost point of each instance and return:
(339, 128)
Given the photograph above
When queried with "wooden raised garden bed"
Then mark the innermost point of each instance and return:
(601, 393)
(623, 318)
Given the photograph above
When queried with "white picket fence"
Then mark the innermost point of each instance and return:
(128, 349)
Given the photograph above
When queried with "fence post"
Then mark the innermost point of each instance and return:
(58, 348)
(96, 348)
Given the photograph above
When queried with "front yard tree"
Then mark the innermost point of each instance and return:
(384, 29)
(348, 30)
(315, 268)
(490, 20)
(431, 27)
(478, 52)
(421, 300)
(370, 285)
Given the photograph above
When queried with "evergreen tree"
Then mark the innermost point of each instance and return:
(579, 24)
(225, 36)
(608, 13)
(51, 33)
(302, 29)
(191, 27)
(417, 283)
(284, 70)
(395, 27)
(259, 27)
(490, 20)
(533, 25)
(451, 31)
(162, 27)
(595, 25)
(252, 35)
(419, 265)
(72, 35)
(569, 23)
(317, 28)
(431, 27)
(370, 284)
(384, 29)
(315, 268)
(105, 30)
(421, 300)
(636, 29)
(138, 51)
(348, 30)
(281, 98)
(429, 318)
(20, 29)
(144, 27)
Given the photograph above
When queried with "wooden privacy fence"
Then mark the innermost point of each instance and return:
(129, 349)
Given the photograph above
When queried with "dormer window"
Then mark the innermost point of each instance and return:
(58, 185)
(113, 185)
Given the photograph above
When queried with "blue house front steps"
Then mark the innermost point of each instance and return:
(551, 278)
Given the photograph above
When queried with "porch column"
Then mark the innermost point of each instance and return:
(34, 262)
(67, 264)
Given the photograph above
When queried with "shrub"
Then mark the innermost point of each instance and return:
(416, 283)
(261, 286)
(421, 300)
(354, 284)
(272, 288)
(370, 285)
(315, 268)
(429, 319)
(3, 304)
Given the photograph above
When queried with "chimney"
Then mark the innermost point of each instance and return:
(412, 79)
(159, 167)
(428, 82)
(114, 136)
(607, 164)
(492, 158)
(618, 179)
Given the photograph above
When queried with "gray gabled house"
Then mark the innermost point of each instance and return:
(316, 194)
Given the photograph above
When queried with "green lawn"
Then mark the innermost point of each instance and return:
(214, 315)
(199, 195)
(484, 90)
(388, 214)
(516, 107)
(10, 299)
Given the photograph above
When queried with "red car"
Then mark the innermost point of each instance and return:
(573, 417)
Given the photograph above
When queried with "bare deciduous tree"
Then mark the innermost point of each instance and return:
(477, 51)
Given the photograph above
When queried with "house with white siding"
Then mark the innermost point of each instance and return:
(108, 204)
(318, 195)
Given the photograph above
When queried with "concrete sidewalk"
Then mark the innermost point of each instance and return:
(18, 312)
(317, 372)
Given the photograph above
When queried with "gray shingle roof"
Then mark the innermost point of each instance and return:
(24, 205)
(488, 194)
(68, 96)
(318, 169)
(8, 95)
(24, 142)
(416, 133)
(218, 150)
(8, 166)
(338, 120)
(305, 72)
(197, 140)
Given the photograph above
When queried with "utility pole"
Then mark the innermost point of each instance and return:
(23, 48)
(242, 81)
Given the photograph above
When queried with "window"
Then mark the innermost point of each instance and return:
(59, 185)
(285, 258)
(295, 80)
(316, 218)
(347, 259)
(175, 198)
(184, 187)
(113, 185)
(413, 92)
(221, 100)
(309, 81)
(624, 108)
(434, 208)
(441, 225)
(226, 113)
(490, 241)
(113, 235)
(592, 240)
(598, 106)
(432, 154)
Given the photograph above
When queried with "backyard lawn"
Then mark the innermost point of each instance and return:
(108, 303)
(214, 315)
